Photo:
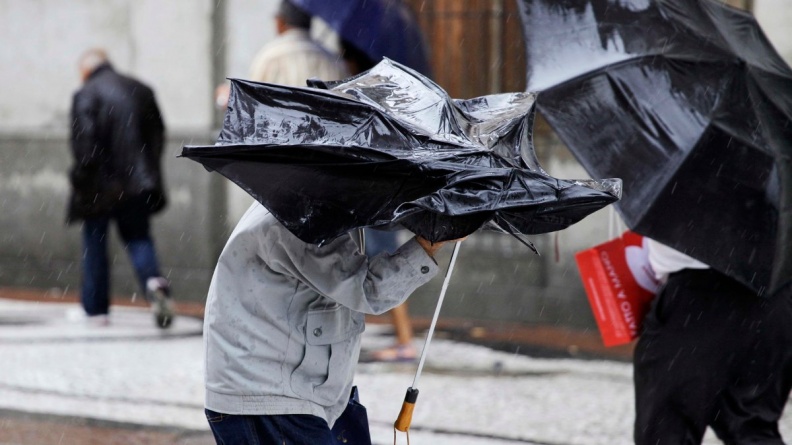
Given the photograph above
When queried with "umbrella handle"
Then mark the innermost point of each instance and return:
(405, 415)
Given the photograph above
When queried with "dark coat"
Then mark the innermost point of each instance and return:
(117, 142)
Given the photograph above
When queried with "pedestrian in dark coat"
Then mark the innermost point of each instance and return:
(712, 353)
(117, 141)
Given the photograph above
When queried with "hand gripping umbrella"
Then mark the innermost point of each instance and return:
(689, 104)
(389, 148)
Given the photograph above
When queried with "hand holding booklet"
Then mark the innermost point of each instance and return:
(620, 285)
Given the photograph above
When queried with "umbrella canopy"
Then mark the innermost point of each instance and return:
(388, 148)
(379, 28)
(689, 104)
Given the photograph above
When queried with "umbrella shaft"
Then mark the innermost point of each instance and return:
(436, 314)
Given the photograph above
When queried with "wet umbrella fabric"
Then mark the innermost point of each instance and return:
(690, 105)
(379, 28)
(390, 148)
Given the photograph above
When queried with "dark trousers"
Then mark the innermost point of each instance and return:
(712, 353)
(132, 220)
(269, 430)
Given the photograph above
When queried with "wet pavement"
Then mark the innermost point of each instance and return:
(63, 381)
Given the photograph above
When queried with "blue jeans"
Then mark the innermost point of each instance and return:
(295, 429)
(133, 225)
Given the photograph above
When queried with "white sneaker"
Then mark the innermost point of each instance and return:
(78, 315)
(98, 321)
(157, 292)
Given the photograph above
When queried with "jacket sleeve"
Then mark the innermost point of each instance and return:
(154, 128)
(84, 131)
(337, 271)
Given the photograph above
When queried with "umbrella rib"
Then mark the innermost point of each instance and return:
(617, 65)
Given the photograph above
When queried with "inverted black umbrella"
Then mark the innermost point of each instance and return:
(689, 104)
(390, 148)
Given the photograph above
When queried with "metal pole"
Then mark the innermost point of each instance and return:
(405, 415)
(436, 314)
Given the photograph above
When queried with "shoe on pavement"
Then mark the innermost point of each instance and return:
(158, 294)
(78, 315)
(97, 321)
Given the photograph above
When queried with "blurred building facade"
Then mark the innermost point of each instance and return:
(183, 49)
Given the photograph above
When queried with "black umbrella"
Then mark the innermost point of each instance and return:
(390, 148)
(689, 104)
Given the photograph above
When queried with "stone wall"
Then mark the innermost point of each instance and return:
(183, 49)
(38, 250)
(165, 44)
(496, 278)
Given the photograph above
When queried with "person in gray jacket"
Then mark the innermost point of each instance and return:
(283, 323)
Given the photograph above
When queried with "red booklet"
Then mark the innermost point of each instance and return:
(620, 286)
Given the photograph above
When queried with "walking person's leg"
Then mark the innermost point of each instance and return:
(753, 403)
(134, 227)
(680, 361)
(95, 290)
(404, 350)
(143, 257)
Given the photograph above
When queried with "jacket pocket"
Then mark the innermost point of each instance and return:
(332, 339)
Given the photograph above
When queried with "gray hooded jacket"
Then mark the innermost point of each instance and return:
(283, 317)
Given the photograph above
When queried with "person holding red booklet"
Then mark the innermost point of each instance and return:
(711, 353)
